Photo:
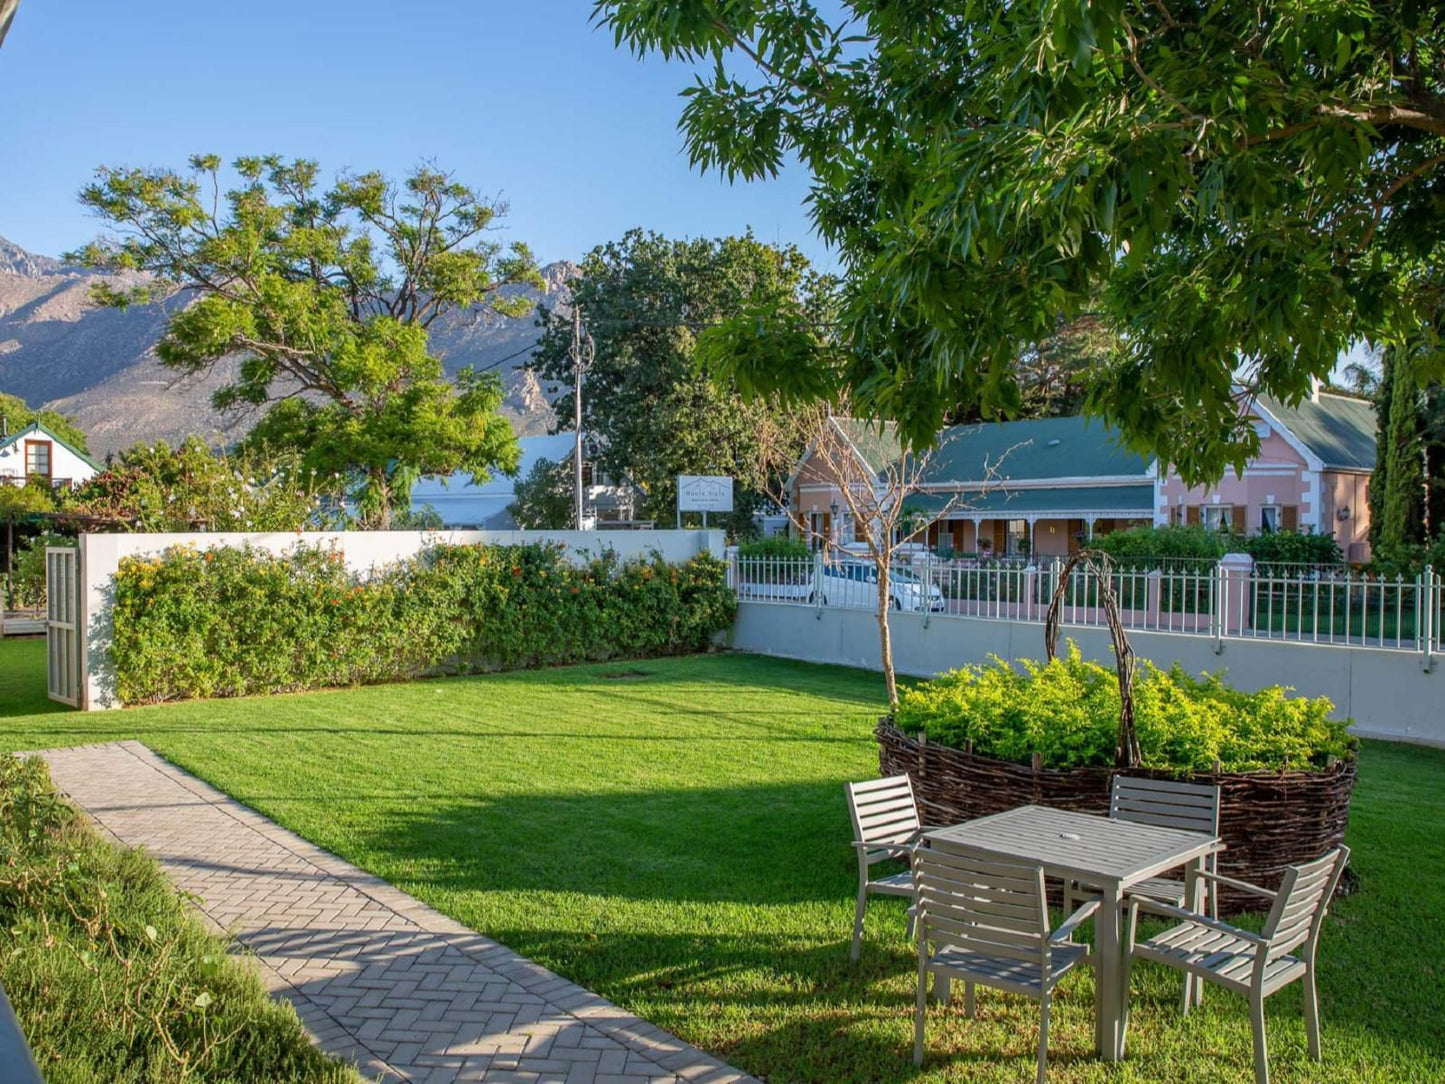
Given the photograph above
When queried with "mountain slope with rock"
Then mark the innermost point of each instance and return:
(59, 350)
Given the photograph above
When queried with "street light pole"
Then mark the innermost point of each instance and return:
(582, 355)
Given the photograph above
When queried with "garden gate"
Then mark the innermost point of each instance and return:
(62, 624)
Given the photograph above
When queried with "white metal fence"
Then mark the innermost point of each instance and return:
(1230, 599)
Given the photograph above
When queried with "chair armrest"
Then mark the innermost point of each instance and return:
(1074, 921)
(1243, 886)
(1141, 903)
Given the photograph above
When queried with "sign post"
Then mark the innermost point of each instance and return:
(703, 493)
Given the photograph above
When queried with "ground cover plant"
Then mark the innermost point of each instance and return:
(236, 621)
(673, 834)
(1067, 710)
(114, 979)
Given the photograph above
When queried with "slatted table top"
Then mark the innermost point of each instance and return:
(1080, 845)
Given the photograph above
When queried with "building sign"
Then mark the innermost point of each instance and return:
(704, 493)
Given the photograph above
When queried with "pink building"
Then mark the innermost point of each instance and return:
(1312, 474)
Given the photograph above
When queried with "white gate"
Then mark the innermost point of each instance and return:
(62, 624)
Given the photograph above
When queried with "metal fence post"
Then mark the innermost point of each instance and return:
(818, 583)
(1425, 608)
(927, 589)
(1217, 611)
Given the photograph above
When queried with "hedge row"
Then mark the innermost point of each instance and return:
(238, 622)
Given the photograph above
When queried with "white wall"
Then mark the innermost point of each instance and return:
(100, 556)
(1387, 693)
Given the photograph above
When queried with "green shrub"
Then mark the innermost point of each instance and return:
(1068, 712)
(236, 622)
(1294, 547)
(778, 546)
(1146, 547)
(113, 979)
(28, 578)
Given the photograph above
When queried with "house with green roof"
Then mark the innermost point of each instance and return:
(36, 452)
(1037, 486)
(1312, 473)
(1045, 486)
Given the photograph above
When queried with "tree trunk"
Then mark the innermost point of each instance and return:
(885, 636)
(380, 516)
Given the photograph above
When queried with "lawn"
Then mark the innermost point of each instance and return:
(673, 835)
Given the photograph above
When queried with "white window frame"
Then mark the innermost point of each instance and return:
(1271, 519)
(1217, 517)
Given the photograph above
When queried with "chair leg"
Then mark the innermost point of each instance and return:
(858, 923)
(942, 989)
(1188, 1000)
(912, 924)
(969, 1007)
(1312, 1013)
(1069, 896)
(1043, 1038)
(1261, 1053)
(919, 1010)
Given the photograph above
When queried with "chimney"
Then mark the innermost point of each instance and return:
(4, 427)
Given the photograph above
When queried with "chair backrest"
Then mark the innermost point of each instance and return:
(883, 811)
(1304, 896)
(981, 903)
(1192, 807)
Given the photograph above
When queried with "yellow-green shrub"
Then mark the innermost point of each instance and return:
(1068, 712)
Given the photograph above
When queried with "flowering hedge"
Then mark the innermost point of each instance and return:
(237, 622)
(1067, 711)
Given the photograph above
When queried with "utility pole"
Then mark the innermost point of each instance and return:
(583, 352)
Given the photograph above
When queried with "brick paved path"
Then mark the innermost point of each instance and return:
(376, 976)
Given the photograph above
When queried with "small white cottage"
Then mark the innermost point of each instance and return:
(36, 452)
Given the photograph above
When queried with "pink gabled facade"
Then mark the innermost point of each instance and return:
(1312, 473)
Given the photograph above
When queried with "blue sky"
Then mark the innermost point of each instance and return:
(522, 98)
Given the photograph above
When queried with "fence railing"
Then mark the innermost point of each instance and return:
(1231, 599)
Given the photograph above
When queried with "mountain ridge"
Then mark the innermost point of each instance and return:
(98, 365)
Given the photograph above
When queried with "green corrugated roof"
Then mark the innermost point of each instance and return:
(1339, 429)
(876, 442)
(1038, 449)
(1063, 499)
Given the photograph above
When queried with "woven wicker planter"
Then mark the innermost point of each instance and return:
(1268, 820)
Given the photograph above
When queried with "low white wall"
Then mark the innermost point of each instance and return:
(1387, 693)
(100, 557)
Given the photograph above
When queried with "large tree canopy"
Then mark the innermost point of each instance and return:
(648, 399)
(1248, 187)
(326, 295)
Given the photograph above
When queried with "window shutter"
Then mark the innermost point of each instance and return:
(1191, 515)
(1289, 517)
(1236, 515)
(1000, 536)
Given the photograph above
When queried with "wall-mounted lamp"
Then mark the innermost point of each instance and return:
(1343, 513)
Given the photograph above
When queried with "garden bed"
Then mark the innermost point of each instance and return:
(1268, 819)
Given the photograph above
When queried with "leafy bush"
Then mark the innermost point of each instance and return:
(1068, 712)
(27, 581)
(1147, 546)
(778, 546)
(236, 622)
(112, 978)
(1294, 547)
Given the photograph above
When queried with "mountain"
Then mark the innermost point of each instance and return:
(59, 350)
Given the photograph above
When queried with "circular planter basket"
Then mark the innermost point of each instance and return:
(1268, 820)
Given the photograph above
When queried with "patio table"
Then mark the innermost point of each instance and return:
(1098, 852)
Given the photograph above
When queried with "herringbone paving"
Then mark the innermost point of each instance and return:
(378, 977)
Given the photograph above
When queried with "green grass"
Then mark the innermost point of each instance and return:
(114, 977)
(677, 841)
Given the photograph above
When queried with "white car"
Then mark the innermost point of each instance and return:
(855, 584)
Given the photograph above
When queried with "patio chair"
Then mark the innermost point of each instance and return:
(1192, 807)
(1255, 964)
(988, 923)
(885, 826)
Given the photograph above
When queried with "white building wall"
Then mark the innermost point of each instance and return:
(63, 462)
